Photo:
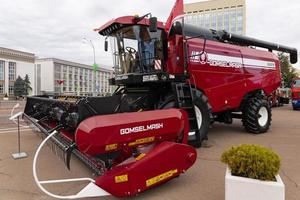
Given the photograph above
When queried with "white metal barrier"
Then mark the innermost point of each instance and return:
(90, 190)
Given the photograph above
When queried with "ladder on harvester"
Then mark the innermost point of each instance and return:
(185, 100)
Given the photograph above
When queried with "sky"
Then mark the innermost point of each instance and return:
(56, 28)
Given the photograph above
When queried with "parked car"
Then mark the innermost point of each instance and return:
(296, 93)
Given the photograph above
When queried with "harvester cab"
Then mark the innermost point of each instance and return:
(138, 46)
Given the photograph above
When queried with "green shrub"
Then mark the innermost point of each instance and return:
(252, 161)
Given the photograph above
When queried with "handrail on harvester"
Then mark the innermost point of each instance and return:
(90, 190)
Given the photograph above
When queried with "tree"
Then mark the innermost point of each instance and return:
(287, 70)
(27, 85)
(19, 87)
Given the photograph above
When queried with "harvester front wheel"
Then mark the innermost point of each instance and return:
(203, 114)
(257, 116)
(202, 110)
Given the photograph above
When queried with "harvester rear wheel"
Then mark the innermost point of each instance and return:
(257, 116)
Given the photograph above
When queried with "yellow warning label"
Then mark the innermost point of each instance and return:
(121, 178)
(142, 155)
(160, 177)
(111, 147)
(142, 141)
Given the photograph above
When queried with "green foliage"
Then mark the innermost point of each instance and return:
(19, 87)
(95, 67)
(27, 85)
(252, 161)
(287, 70)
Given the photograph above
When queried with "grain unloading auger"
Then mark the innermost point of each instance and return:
(130, 152)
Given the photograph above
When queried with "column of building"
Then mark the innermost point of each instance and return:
(6, 81)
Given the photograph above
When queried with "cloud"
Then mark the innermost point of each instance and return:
(55, 28)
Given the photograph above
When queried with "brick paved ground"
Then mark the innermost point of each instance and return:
(204, 181)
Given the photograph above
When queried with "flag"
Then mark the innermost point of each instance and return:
(60, 81)
(95, 67)
(176, 11)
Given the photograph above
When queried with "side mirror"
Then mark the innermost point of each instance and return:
(105, 45)
(294, 57)
(176, 29)
(153, 24)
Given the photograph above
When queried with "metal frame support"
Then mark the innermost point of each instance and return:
(90, 190)
(20, 154)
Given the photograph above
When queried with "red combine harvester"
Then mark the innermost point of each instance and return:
(173, 81)
(296, 93)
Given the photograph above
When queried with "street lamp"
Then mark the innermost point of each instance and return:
(88, 41)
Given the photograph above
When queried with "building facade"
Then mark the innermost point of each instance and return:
(229, 15)
(15, 63)
(298, 72)
(70, 78)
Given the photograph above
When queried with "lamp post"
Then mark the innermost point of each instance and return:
(88, 41)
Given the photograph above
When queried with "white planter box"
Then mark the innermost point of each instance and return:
(239, 188)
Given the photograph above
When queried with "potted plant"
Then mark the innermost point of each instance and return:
(5, 97)
(252, 173)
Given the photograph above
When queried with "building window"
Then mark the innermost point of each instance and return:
(214, 20)
(1, 88)
(220, 20)
(11, 71)
(233, 20)
(2, 64)
(207, 20)
(226, 20)
(239, 19)
(11, 89)
(65, 69)
(57, 78)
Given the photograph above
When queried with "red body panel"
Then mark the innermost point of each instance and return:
(161, 152)
(164, 162)
(225, 72)
(107, 133)
(130, 20)
(295, 92)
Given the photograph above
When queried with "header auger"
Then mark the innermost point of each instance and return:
(173, 81)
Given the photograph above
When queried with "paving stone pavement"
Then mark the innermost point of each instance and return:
(204, 181)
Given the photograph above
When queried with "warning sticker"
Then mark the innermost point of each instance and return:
(111, 147)
(142, 141)
(121, 178)
(160, 177)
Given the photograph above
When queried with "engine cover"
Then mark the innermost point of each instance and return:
(108, 133)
